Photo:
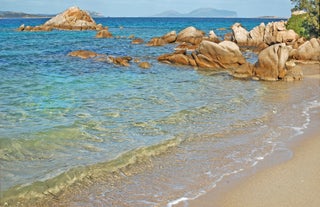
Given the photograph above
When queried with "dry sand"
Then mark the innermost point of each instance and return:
(293, 183)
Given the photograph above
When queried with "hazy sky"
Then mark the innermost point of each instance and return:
(134, 8)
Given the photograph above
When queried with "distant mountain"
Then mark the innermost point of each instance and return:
(170, 13)
(202, 12)
(12, 14)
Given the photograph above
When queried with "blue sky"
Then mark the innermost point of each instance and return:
(134, 8)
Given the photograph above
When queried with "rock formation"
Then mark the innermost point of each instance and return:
(263, 36)
(271, 62)
(310, 50)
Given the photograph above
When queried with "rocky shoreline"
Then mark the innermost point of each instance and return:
(278, 49)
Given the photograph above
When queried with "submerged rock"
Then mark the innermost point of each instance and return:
(137, 41)
(84, 54)
(145, 65)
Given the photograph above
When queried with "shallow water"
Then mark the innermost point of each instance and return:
(107, 135)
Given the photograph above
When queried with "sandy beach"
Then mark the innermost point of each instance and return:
(293, 183)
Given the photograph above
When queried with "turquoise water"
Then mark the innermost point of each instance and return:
(59, 113)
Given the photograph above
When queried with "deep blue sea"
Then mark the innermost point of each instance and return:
(133, 137)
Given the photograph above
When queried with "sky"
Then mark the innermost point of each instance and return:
(141, 8)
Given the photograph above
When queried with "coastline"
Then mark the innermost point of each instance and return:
(276, 181)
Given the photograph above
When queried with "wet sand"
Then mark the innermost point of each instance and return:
(292, 183)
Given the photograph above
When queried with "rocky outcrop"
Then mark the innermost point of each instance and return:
(71, 19)
(272, 33)
(310, 50)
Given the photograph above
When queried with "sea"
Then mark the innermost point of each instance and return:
(77, 132)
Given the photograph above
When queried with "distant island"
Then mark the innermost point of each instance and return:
(202, 12)
(13, 14)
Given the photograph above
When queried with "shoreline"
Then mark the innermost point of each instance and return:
(279, 180)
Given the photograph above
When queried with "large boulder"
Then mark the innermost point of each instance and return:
(72, 19)
(271, 63)
(310, 50)
(191, 35)
(223, 55)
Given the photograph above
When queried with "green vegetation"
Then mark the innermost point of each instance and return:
(306, 25)
(296, 23)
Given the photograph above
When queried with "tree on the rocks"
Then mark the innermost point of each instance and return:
(307, 24)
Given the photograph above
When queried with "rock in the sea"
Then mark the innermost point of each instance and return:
(310, 50)
(121, 61)
(271, 63)
(137, 41)
(72, 19)
(104, 34)
(84, 54)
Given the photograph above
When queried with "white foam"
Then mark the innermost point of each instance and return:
(202, 192)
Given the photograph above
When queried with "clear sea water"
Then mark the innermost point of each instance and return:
(123, 136)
